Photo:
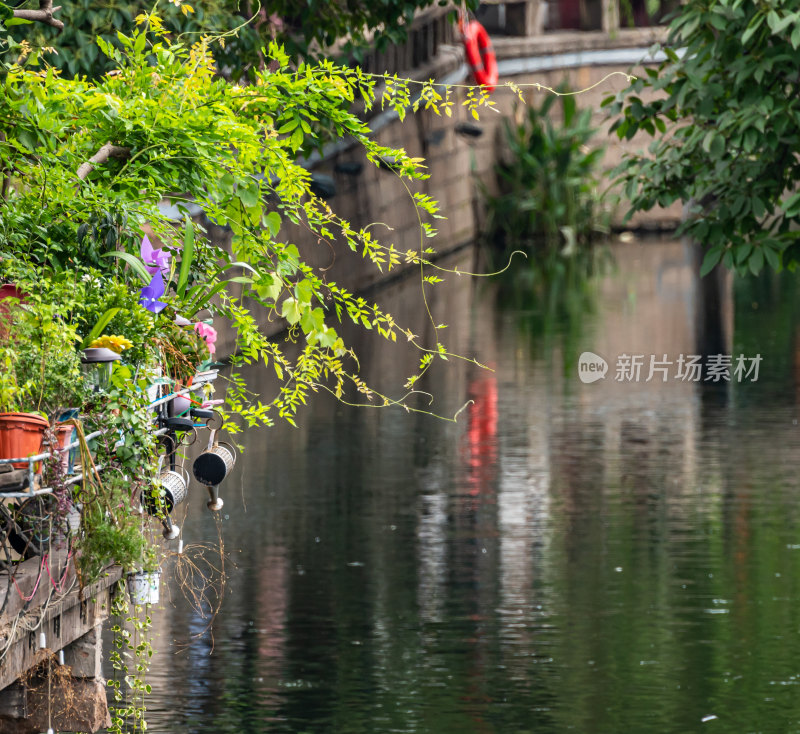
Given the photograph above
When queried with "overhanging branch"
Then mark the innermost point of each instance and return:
(43, 15)
(102, 155)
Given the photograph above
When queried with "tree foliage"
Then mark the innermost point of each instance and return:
(724, 112)
(241, 29)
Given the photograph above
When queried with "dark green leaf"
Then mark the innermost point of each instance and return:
(136, 264)
(711, 259)
(187, 257)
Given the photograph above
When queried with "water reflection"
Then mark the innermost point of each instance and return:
(613, 557)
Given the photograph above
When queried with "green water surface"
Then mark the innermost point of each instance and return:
(609, 557)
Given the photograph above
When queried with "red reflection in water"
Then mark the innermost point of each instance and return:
(481, 434)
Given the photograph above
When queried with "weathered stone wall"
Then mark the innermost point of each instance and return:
(459, 164)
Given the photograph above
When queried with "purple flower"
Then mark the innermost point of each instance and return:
(149, 295)
(155, 258)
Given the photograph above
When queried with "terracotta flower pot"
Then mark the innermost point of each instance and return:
(21, 435)
(65, 436)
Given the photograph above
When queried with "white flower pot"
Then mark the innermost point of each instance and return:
(143, 587)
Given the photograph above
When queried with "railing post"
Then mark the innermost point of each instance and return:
(610, 12)
(518, 18)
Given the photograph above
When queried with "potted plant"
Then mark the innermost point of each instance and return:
(187, 351)
(144, 583)
(111, 532)
(39, 374)
(21, 432)
(144, 587)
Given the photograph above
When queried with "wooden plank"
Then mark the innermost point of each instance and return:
(63, 619)
(31, 584)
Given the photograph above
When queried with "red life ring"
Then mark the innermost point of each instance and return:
(480, 54)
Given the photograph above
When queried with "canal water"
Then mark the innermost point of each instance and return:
(620, 555)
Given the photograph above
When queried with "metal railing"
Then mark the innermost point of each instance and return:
(429, 30)
(200, 380)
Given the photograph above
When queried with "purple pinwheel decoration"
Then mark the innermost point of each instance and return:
(149, 295)
(155, 258)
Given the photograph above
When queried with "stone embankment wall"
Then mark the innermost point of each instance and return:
(459, 164)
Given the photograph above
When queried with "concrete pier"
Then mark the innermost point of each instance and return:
(45, 612)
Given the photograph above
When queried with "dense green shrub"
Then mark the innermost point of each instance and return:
(549, 194)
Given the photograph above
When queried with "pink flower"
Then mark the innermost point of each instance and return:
(207, 332)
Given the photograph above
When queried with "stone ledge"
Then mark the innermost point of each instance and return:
(556, 42)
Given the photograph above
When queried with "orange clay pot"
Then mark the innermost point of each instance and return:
(21, 435)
